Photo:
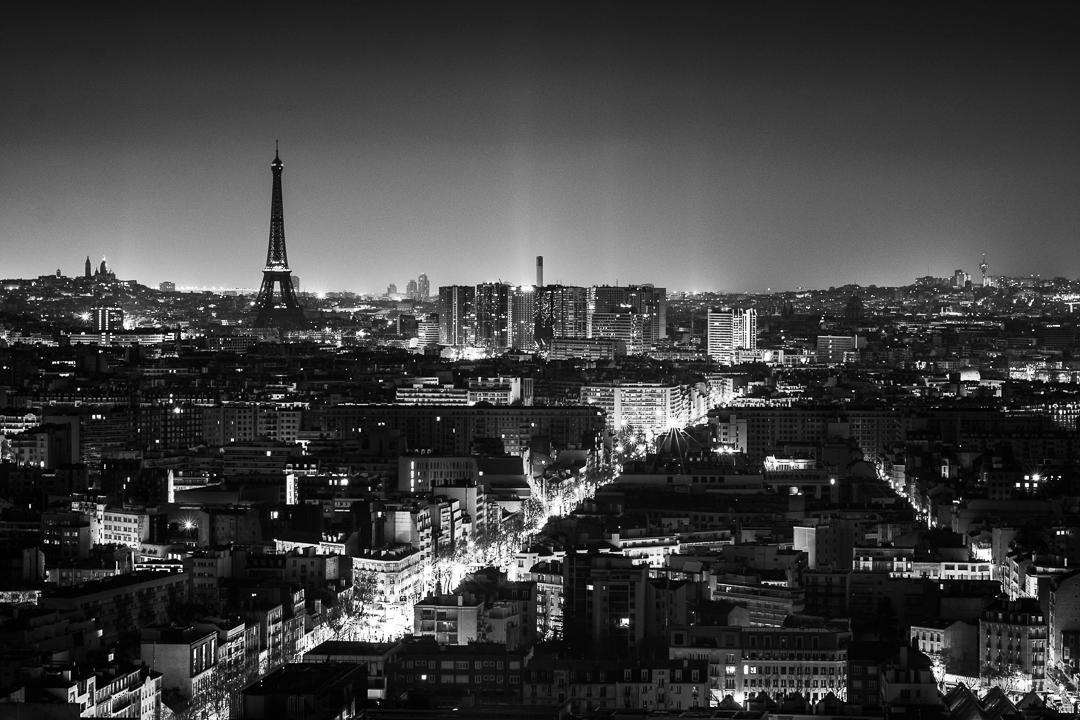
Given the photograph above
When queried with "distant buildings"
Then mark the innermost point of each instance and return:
(747, 532)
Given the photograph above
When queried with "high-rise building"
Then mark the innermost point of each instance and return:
(634, 330)
(423, 287)
(427, 330)
(523, 317)
(492, 315)
(276, 305)
(729, 330)
(645, 300)
(410, 290)
(457, 315)
(88, 271)
(561, 311)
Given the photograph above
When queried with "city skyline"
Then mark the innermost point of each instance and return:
(734, 150)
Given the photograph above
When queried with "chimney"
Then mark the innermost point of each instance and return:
(539, 271)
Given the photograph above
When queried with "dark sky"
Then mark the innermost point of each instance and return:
(737, 147)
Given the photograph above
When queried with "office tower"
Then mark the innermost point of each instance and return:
(634, 331)
(456, 314)
(644, 300)
(539, 271)
(423, 287)
(282, 311)
(410, 290)
(391, 289)
(523, 317)
(492, 315)
(561, 311)
(88, 271)
(730, 330)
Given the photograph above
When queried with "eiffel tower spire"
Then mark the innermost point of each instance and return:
(277, 305)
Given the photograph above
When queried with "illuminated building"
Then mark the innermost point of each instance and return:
(729, 330)
(396, 574)
(630, 329)
(501, 390)
(549, 598)
(108, 319)
(646, 301)
(422, 473)
(522, 320)
(427, 330)
(122, 526)
(646, 407)
(561, 311)
(810, 661)
(837, 349)
(1012, 639)
(449, 619)
(424, 393)
(456, 315)
(491, 315)
(586, 348)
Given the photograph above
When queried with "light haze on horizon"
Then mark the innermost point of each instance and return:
(730, 149)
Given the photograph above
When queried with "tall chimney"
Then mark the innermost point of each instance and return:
(539, 271)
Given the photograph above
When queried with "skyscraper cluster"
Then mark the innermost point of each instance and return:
(418, 289)
(500, 315)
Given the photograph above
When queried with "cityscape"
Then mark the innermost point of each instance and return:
(809, 475)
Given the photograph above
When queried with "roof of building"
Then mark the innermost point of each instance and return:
(303, 678)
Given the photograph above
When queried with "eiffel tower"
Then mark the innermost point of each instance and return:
(280, 309)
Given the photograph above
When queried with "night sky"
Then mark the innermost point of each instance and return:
(739, 147)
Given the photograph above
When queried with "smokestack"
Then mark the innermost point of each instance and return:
(539, 271)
